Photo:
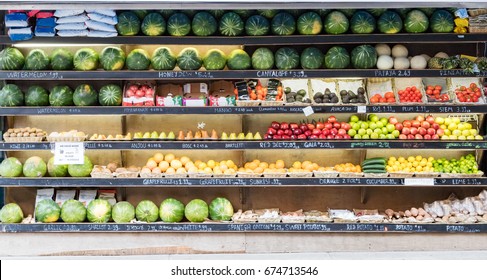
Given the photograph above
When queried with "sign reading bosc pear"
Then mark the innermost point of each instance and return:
(69, 153)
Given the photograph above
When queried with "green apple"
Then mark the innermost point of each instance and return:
(396, 133)
(162, 135)
(366, 136)
(379, 124)
(443, 126)
(369, 131)
(372, 125)
(382, 136)
(352, 132)
(461, 137)
(384, 130)
(364, 125)
(356, 126)
(390, 127)
(171, 135)
(384, 121)
(357, 136)
(378, 130)
(354, 118)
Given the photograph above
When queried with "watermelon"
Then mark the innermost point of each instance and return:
(85, 59)
(389, 22)
(153, 24)
(57, 170)
(416, 22)
(178, 24)
(166, 13)
(295, 12)
(189, 59)
(11, 59)
(11, 214)
(257, 25)
(231, 24)
(337, 58)
(61, 96)
(428, 11)
(362, 23)
(364, 57)
(81, 170)
(47, 211)
(214, 59)
(112, 58)
(128, 24)
(141, 14)
(442, 22)
(62, 59)
(11, 96)
(217, 13)
(244, 13)
(163, 59)
(85, 95)
(204, 24)
(376, 12)
(11, 167)
(287, 58)
(336, 23)
(147, 211)
(283, 24)
(138, 59)
(99, 211)
(73, 211)
(403, 12)
(348, 12)
(312, 58)
(36, 96)
(262, 59)
(34, 167)
(221, 209)
(196, 211)
(110, 95)
(238, 60)
(123, 212)
(37, 59)
(268, 13)
(309, 24)
(323, 12)
(171, 210)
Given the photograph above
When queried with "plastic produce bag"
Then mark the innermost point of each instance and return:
(102, 18)
(100, 26)
(44, 31)
(20, 34)
(16, 20)
(101, 34)
(110, 13)
(46, 22)
(72, 33)
(67, 13)
(71, 26)
(73, 19)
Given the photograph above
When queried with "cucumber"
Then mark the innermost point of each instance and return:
(374, 171)
(374, 166)
(377, 160)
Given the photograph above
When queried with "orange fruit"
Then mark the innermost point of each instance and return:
(158, 157)
(164, 165)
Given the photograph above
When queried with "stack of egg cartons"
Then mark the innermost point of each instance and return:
(102, 23)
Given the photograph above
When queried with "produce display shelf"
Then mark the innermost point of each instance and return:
(263, 40)
(246, 227)
(230, 74)
(257, 145)
(244, 182)
(235, 110)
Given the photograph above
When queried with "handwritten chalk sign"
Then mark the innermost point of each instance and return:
(382, 109)
(281, 74)
(392, 73)
(33, 75)
(69, 153)
(308, 111)
(419, 181)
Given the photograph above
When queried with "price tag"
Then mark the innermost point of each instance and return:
(69, 153)
(361, 109)
(308, 111)
(419, 181)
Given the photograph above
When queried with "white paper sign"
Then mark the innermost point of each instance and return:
(308, 111)
(69, 153)
(361, 109)
(419, 181)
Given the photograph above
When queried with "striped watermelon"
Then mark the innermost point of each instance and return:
(110, 95)
(128, 24)
(36, 96)
(238, 60)
(138, 59)
(178, 24)
(268, 13)
(257, 25)
(364, 57)
(336, 23)
(416, 22)
(204, 24)
(62, 59)
(11, 59)
(287, 58)
(337, 58)
(163, 59)
(390, 22)
(153, 24)
(283, 24)
(112, 58)
(262, 59)
(309, 24)
(11, 96)
(61, 96)
(442, 22)
(312, 58)
(215, 59)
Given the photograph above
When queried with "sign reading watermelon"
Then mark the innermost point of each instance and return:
(69, 153)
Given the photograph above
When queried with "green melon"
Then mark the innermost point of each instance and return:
(442, 22)
(99, 211)
(178, 24)
(262, 59)
(57, 170)
(221, 209)
(62, 59)
(214, 59)
(189, 59)
(167, 13)
(11, 96)
(196, 211)
(138, 59)
(295, 12)
(390, 22)
(11, 214)
(337, 58)
(364, 57)
(403, 12)
(244, 13)
(257, 25)
(283, 24)
(47, 211)
(85, 59)
(204, 24)
(268, 13)
(287, 58)
(85, 95)
(123, 212)
(73, 211)
(112, 58)
(171, 210)
(189, 13)
(416, 22)
(312, 58)
(11, 167)
(147, 211)
(309, 24)
(231, 24)
(238, 59)
(153, 24)
(11, 59)
(34, 167)
(36, 96)
(37, 59)
(61, 96)
(81, 170)
(110, 95)
(362, 23)
(427, 11)
(163, 59)
(128, 24)
(336, 23)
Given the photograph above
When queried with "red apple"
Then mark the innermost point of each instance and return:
(302, 137)
(275, 125)
(288, 132)
(416, 124)
(334, 131)
(347, 126)
(337, 125)
(414, 130)
(420, 118)
(332, 119)
(286, 137)
(322, 136)
(435, 137)
(325, 131)
(430, 119)
(293, 125)
(339, 136)
(294, 137)
(330, 137)
(267, 136)
(313, 137)
(440, 132)
(284, 125)
(271, 131)
(411, 137)
(297, 131)
(422, 131)
(418, 136)
(406, 131)
(308, 133)
(277, 137)
(320, 125)
(403, 137)
(399, 126)
(427, 137)
(311, 126)
(431, 131)
(280, 132)
(393, 120)
(406, 123)
(316, 131)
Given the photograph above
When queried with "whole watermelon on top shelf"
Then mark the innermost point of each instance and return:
(138, 59)
(336, 23)
(204, 24)
(141, 14)
(269, 13)
(163, 59)
(238, 60)
(85, 95)
(85, 59)
(416, 22)
(231, 24)
(99, 211)
(123, 212)
(11, 167)
(11, 214)
(244, 13)
(47, 211)
(403, 12)
(263, 59)
(61, 96)
(214, 59)
(337, 58)
(196, 211)
(283, 24)
(128, 24)
(34, 167)
(11, 96)
(220, 209)
(312, 58)
(257, 25)
(62, 59)
(11, 59)
(178, 24)
(323, 12)
(376, 12)
(57, 170)
(442, 22)
(217, 13)
(171, 210)
(362, 23)
(364, 57)
(189, 59)
(287, 58)
(36, 96)
(309, 24)
(110, 95)
(73, 211)
(390, 22)
(153, 24)
(167, 13)
(36, 59)
(81, 170)
(112, 58)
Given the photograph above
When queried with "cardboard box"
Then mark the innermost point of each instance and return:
(169, 95)
(195, 94)
(222, 94)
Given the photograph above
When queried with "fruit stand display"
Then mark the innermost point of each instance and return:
(244, 121)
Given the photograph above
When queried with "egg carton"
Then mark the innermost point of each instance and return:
(23, 139)
(325, 174)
